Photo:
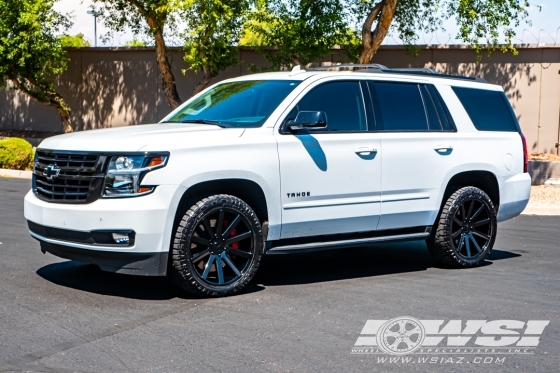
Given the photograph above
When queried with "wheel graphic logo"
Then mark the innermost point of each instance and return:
(401, 336)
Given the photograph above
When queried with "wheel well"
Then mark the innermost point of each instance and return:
(247, 190)
(480, 179)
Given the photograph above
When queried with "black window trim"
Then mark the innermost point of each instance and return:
(284, 131)
(442, 105)
(438, 98)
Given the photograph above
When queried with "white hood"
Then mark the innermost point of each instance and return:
(151, 137)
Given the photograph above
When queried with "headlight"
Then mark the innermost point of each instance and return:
(125, 174)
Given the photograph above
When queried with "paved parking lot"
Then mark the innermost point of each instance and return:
(303, 313)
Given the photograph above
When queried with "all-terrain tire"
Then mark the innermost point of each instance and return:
(455, 245)
(186, 274)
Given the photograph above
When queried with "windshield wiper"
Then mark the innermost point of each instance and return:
(205, 121)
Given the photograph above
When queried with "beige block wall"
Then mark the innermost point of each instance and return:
(118, 87)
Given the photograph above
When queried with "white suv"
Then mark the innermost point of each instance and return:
(283, 163)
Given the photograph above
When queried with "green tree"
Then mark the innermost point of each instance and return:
(148, 18)
(212, 28)
(135, 42)
(480, 21)
(76, 41)
(31, 54)
(250, 38)
(301, 31)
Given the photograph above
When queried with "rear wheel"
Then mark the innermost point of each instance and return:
(217, 247)
(465, 232)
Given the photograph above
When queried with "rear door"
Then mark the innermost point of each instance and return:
(330, 178)
(418, 143)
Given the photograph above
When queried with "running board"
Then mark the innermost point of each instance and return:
(317, 246)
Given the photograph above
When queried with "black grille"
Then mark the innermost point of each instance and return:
(79, 179)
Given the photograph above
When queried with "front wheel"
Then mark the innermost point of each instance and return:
(217, 247)
(465, 231)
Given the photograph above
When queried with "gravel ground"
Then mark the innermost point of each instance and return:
(545, 196)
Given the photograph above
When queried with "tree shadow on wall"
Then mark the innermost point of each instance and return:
(117, 92)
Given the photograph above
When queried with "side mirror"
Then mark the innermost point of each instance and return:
(308, 120)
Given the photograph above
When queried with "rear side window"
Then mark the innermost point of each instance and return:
(488, 110)
(407, 107)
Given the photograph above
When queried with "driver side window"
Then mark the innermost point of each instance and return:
(343, 103)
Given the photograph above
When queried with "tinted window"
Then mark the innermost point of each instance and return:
(488, 110)
(399, 107)
(443, 113)
(433, 118)
(237, 104)
(341, 101)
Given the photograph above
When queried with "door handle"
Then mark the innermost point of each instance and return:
(443, 148)
(365, 150)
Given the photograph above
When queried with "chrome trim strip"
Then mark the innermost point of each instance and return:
(334, 244)
(77, 244)
(354, 201)
(332, 202)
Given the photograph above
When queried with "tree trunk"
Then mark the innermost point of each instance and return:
(384, 11)
(205, 81)
(65, 119)
(43, 95)
(168, 79)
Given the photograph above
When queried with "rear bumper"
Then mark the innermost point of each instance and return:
(514, 196)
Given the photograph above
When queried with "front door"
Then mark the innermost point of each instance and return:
(330, 178)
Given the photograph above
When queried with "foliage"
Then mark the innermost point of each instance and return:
(76, 41)
(146, 18)
(31, 54)
(301, 31)
(481, 22)
(213, 27)
(135, 42)
(15, 154)
(135, 15)
(249, 38)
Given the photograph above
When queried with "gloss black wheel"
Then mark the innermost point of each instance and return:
(217, 247)
(472, 229)
(465, 232)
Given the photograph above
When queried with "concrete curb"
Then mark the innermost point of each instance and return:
(15, 174)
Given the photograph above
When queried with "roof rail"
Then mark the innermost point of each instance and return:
(350, 66)
(377, 68)
(423, 71)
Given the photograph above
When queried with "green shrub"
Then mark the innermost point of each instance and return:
(15, 154)
(31, 160)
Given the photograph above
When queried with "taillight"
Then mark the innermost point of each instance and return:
(525, 154)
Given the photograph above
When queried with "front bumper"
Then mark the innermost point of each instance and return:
(149, 217)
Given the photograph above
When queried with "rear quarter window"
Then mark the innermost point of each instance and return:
(488, 110)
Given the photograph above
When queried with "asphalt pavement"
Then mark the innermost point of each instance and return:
(303, 313)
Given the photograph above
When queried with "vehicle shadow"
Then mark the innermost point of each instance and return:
(90, 278)
(370, 261)
(348, 263)
(275, 270)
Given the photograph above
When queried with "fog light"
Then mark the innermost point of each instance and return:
(121, 238)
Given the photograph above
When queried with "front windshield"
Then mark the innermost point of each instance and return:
(241, 104)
